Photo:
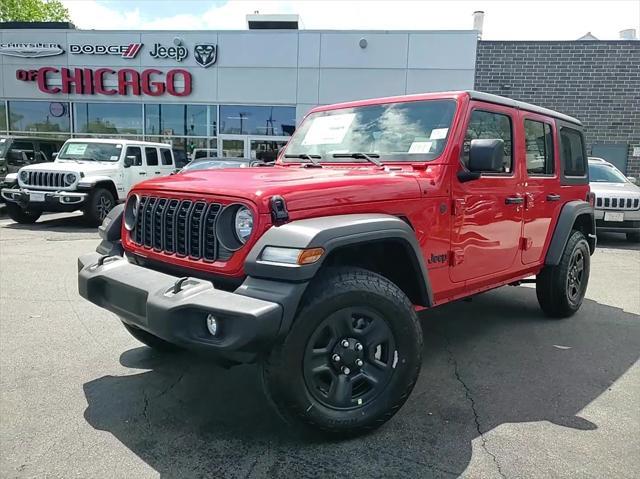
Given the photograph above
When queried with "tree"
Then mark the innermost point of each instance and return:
(33, 11)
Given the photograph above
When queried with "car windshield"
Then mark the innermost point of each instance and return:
(90, 151)
(215, 163)
(405, 131)
(603, 173)
(4, 143)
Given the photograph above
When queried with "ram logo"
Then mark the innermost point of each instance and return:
(205, 54)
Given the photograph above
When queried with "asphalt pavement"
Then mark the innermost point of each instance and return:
(503, 391)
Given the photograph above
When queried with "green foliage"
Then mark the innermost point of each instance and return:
(33, 11)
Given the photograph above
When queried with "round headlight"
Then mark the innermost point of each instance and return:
(69, 178)
(131, 212)
(243, 224)
(24, 176)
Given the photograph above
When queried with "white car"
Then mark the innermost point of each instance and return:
(617, 208)
(89, 174)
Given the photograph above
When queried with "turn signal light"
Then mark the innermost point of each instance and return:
(309, 256)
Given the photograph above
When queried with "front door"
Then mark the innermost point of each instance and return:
(137, 171)
(487, 221)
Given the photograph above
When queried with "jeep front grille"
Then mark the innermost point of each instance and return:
(617, 203)
(183, 228)
(47, 180)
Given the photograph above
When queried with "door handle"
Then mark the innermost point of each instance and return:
(553, 197)
(514, 200)
(158, 172)
(142, 173)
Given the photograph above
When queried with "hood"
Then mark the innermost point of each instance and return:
(302, 188)
(86, 167)
(614, 189)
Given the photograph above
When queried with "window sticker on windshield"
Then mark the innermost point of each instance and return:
(328, 130)
(114, 158)
(2, 140)
(76, 148)
(438, 133)
(420, 147)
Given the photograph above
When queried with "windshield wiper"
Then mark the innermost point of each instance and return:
(371, 157)
(304, 156)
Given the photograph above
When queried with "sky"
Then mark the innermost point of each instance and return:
(504, 19)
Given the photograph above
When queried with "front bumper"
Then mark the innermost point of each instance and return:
(53, 200)
(630, 223)
(146, 299)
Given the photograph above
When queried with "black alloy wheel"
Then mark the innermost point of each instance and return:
(575, 276)
(350, 358)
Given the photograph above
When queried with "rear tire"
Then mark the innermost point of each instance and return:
(19, 215)
(351, 358)
(633, 237)
(150, 340)
(99, 204)
(561, 288)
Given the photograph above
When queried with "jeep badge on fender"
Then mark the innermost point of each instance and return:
(316, 268)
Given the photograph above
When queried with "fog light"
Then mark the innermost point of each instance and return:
(212, 325)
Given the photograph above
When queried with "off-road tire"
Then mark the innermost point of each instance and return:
(552, 283)
(633, 237)
(150, 340)
(19, 215)
(100, 202)
(283, 370)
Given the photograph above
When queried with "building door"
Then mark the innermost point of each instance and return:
(616, 154)
(265, 149)
(487, 223)
(232, 146)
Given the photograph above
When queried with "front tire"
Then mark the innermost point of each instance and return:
(561, 288)
(150, 340)
(99, 204)
(22, 216)
(352, 356)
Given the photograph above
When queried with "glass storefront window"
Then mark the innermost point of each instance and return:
(39, 116)
(180, 120)
(257, 120)
(108, 118)
(3, 116)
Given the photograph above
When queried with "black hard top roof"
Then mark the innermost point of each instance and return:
(502, 100)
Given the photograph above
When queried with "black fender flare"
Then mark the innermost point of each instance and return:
(331, 233)
(568, 216)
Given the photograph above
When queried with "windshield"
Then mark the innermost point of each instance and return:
(408, 131)
(603, 173)
(215, 164)
(90, 151)
(3, 146)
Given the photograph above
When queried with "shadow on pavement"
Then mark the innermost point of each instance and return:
(491, 361)
(616, 241)
(56, 223)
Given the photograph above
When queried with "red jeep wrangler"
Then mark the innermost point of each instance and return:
(316, 267)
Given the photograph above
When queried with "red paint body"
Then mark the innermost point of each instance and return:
(487, 243)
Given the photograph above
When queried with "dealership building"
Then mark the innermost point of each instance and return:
(243, 92)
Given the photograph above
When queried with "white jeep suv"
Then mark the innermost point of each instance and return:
(89, 174)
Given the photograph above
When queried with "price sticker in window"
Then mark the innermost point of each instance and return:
(76, 148)
(420, 147)
(328, 130)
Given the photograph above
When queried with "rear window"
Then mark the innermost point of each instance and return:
(152, 156)
(539, 147)
(572, 152)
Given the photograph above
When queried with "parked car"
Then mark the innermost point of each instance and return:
(208, 163)
(16, 152)
(316, 267)
(89, 174)
(617, 206)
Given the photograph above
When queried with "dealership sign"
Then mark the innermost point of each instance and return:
(106, 81)
(129, 50)
(30, 49)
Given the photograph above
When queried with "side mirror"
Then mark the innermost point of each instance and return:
(54, 155)
(632, 179)
(486, 156)
(129, 161)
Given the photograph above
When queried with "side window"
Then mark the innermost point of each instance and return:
(572, 152)
(20, 151)
(152, 156)
(137, 152)
(539, 147)
(489, 125)
(166, 157)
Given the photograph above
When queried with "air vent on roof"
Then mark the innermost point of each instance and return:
(258, 21)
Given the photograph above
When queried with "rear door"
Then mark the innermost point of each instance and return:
(167, 165)
(541, 186)
(153, 161)
(487, 223)
(137, 171)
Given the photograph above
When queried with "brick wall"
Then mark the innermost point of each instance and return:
(598, 82)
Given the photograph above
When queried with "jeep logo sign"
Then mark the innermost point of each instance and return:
(177, 53)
